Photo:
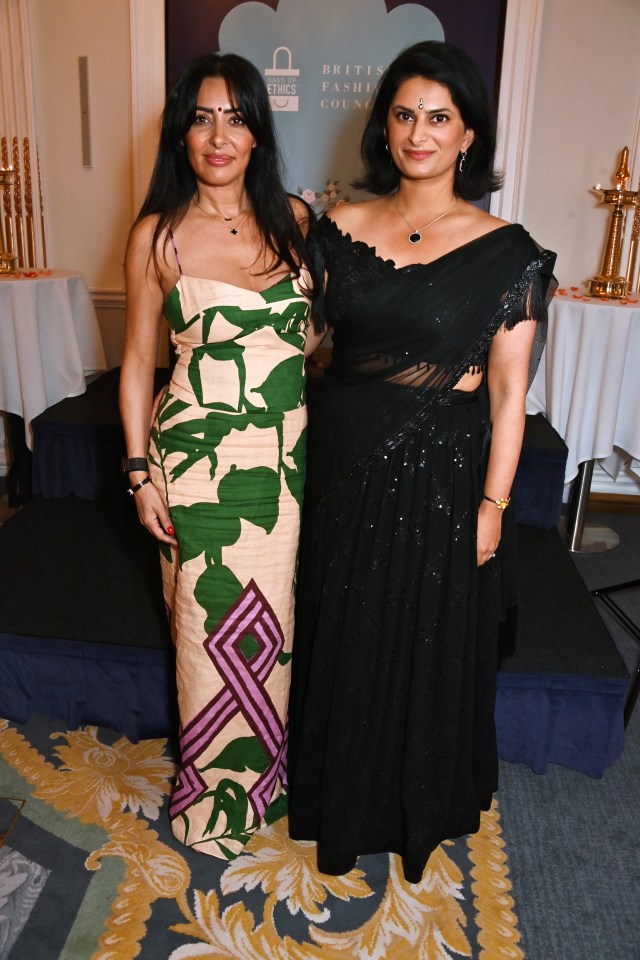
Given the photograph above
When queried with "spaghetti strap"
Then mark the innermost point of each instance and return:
(175, 250)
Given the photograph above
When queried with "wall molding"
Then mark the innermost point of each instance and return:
(626, 483)
(517, 86)
(108, 299)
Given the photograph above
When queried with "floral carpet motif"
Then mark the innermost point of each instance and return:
(89, 870)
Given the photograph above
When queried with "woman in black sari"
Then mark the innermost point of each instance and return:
(406, 565)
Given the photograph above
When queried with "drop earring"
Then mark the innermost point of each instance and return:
(463, 160)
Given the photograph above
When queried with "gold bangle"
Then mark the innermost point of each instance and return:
(501, 504)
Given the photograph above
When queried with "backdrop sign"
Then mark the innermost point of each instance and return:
(321, 64)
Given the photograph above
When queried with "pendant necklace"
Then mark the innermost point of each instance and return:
(221, 217)
(416, 235)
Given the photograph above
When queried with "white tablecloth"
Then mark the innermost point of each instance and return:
(49, 342)
(588, 382)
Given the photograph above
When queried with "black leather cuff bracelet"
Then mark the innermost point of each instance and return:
(134, 463)
(138, 486)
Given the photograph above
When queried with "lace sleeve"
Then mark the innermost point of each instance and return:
(533, 304)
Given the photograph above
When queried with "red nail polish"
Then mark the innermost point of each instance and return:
(170, 530)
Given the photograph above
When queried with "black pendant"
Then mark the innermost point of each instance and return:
(415, 237)
(234, 231)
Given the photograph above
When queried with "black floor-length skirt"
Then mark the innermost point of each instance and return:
(392, 736)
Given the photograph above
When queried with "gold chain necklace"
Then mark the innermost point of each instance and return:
(416, 235)
(221, 217)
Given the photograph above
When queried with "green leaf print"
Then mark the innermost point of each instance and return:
(204, 528)
(230, 799)
(280, 291)
(173, 312)
(200, 438)
(283, 389)
(196, 439)
(216, 590)
(165, 550)
(277, 809)
(245, 753)
(283, 658)
(295, 476)
(226, 352)
(169, 410)
(252, 494)
(248, 647)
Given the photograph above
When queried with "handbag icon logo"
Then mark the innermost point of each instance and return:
(281, 82)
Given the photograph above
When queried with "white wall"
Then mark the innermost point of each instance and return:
(586, 108)
(87, 211)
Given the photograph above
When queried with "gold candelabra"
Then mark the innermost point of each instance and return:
(8, 261)
(610, 282)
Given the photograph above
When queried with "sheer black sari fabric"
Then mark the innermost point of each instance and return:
(404, 337)
(392, 738)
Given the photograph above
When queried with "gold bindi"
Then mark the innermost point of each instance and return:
(420, 103)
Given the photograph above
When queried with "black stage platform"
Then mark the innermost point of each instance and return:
(83, 637)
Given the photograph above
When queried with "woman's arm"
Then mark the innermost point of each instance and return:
(145, 302)
(507, 375)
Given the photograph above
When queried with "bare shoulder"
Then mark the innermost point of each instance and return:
(301, 211)
(479, 222)
(141, 266)
(352, 217)
(140, 241)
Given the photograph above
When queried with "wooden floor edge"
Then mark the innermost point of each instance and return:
(614, 503)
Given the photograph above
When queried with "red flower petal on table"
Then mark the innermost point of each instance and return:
(561, 291)
(574, 288)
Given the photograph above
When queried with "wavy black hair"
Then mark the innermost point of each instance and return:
(449, 65)
(173, 182)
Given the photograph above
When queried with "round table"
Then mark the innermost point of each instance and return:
(588, 387)
(49, 342)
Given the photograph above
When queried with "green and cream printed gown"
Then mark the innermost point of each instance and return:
(228, 450)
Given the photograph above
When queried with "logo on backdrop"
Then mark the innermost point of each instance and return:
(281, 81)
(321, 68)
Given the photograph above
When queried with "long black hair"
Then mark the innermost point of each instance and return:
(449, 65)
(173, 182)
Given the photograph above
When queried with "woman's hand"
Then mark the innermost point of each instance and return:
(153, 513)
(489, 531)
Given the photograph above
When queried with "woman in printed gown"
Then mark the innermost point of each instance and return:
(219, 248)
(406, 557)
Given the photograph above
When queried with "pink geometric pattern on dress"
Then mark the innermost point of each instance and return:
(244, 693)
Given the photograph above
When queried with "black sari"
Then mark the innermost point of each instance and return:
(392, 738)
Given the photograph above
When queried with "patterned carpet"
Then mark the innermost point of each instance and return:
(89, 870)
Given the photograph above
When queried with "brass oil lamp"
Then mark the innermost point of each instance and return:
(609, 282)
(8, 262)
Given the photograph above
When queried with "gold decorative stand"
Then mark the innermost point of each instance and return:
(8, 262)
(609, 282)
